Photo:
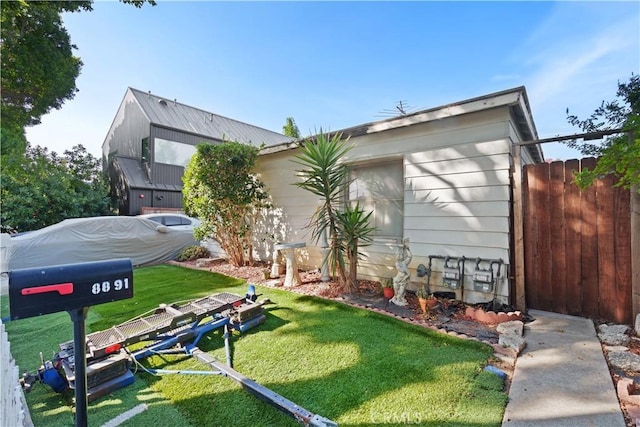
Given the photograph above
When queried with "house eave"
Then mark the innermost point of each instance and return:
(515, 98)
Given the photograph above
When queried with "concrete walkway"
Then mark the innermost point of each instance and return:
(561, 378)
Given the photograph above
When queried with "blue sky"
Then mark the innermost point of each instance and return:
(339, 64)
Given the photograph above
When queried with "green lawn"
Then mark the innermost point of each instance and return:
(353, 366)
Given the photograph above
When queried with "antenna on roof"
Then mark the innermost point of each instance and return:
(400, 107)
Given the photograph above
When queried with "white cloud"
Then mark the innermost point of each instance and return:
(576, 57)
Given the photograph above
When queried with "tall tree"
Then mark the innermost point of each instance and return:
(619, 154)
(221, 189)
(290, 128)
(39, 69)
(40, 188)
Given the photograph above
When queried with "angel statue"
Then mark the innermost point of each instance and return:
(403, 258)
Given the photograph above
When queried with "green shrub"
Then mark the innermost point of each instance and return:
(193, 252)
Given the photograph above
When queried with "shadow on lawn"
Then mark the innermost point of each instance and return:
(359, 374)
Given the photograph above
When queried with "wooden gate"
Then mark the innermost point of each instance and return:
(577, 244)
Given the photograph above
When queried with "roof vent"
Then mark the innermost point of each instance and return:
(162, 102)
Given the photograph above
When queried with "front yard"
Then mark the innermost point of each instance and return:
(353, 366)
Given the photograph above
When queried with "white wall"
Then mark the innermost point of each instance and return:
(456, 194)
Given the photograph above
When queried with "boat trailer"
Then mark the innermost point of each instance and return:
(168, 329)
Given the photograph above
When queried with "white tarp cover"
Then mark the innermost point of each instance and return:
(78, 240)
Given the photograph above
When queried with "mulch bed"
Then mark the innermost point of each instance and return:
(448, 315)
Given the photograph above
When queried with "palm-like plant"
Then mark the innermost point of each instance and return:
(324, 175)
(354, 231)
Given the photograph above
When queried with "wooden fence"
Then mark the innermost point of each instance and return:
(577, 244)
(14, 408)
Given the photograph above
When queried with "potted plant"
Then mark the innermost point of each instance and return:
(426, 300)
(387, 288)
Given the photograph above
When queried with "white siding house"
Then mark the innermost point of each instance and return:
(439, 177)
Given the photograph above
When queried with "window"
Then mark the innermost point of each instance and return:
(379, 187)
(172, 153)
(170, 220)
(145, 150)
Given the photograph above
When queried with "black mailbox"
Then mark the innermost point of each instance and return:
(37, 291)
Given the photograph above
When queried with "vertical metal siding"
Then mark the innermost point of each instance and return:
(167, 199)
(166, 174)
(136, 202)
(127, 130)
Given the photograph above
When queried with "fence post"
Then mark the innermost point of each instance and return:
(518, 229)
(635, 250)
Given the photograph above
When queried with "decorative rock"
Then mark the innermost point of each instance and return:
(624, 360)
(626, 387)
(614, 339)
(512, 327)
(203, 262)
(613, 329)
(507, 351)
(614, 348)
(507, 360)
(512, 341)
(633, 412)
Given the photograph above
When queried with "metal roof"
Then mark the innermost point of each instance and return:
(136, 178)
(174, 115)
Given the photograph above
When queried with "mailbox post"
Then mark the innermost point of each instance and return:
(72, 288)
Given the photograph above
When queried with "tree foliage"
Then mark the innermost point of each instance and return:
(40, 188)
(221, 189)
(39, 69)
(290, 128)
(325, 176)
(618, 154)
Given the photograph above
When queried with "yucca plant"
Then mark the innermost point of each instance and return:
(354, 231)
(324, 175)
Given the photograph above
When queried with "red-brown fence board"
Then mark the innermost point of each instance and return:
(622, 244)
(573, 240)
(577, 243)
(589, 260)
(557, 237)
(606, 249)
(544, 239)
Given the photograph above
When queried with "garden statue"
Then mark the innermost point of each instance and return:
(403, 258)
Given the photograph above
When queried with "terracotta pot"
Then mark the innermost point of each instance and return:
(388, 293)
(431, 302)
(423, 304)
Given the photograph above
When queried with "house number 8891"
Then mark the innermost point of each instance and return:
(104, 287)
